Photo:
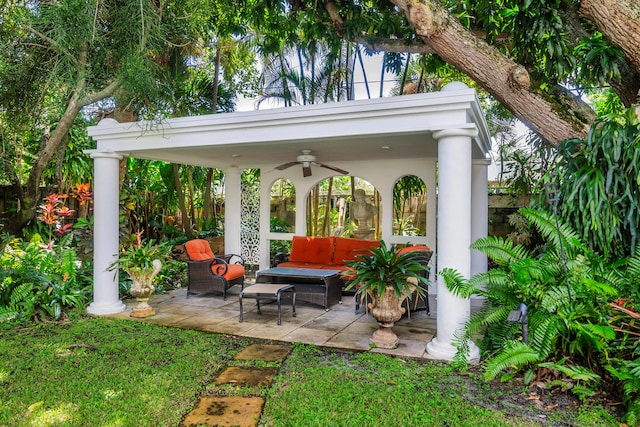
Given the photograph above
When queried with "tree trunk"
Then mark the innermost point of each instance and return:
(207, 208)
(506, 80)
(186, 221)
(619, 22)
(327, 210)
(216, 82)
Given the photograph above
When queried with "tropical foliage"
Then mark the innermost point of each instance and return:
(598, 179)
(566, 290)
(384, 267)
(40, 281)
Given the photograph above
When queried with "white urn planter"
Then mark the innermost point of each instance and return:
(142, 288)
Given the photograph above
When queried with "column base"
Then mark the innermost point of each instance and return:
(116, 307)
(446, 351)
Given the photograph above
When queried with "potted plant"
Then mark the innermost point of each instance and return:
(142, 261)
(386, 278)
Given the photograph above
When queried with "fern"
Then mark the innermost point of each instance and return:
(456, 283)
(501, 250)
(576, 373)
(544, 332)
(516, 355)
(20, 305)
(545, 223)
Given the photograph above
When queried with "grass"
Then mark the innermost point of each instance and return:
(104, 372)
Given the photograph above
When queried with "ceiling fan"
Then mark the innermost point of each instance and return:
(306, 159)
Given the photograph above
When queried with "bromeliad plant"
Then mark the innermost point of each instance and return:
(566, 288)
(139, 254)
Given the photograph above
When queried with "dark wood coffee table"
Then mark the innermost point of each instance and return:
(323, 287)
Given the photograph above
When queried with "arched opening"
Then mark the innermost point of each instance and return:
(410, 207)
(344, 206)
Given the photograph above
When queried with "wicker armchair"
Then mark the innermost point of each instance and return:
(209, 273)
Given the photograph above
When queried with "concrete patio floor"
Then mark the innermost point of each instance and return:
(338, 328)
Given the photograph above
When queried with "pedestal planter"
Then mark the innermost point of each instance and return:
(387, 310)
(142, 288)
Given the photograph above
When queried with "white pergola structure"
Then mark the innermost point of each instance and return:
(441, 137)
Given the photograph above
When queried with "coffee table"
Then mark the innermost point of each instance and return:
(316, 286)
(267, 291)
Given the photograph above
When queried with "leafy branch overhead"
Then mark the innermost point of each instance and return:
(525, 54)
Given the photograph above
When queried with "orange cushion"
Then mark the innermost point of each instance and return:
(198, 249)
(414, 248)
(347, 249)
(318, 250)
(234, 271)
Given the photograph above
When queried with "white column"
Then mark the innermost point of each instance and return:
(106, 206)
(454, 236)
(265, 221)
(479, 211)
(232, 210)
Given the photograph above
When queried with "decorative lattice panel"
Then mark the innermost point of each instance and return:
(250, 220)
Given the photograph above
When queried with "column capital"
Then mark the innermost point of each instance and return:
(95, 154)
(470, 132)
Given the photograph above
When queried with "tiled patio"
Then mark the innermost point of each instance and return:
(339, 327)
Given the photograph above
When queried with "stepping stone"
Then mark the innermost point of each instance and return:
(225, 411)
(241, 375)
(266, 352)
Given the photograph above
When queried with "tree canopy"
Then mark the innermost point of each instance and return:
(156, 58)
(537, 58)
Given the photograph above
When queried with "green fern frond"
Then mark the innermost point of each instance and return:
(555, 297)
(456, 283)
(575, 372)
(545, 223)
(599, 288)
(495, 314)
(8, 313)
(632, 417)
(502, 251)
(515, 355)
(544, 331)
(633, 263)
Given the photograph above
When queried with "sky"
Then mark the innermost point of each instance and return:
(373, 66)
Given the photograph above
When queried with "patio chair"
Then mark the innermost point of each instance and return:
(210, 273)
(423, 255)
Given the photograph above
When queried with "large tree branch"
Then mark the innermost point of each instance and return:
(105, 92)
(619, 22)
(507, 81)
(628, 85)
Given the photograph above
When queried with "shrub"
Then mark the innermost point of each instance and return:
(39, 281)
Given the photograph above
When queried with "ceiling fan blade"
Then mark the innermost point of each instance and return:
(286, 165)
(306, 170)
(333, 168)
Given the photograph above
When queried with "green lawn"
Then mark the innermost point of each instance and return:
(103, 372)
